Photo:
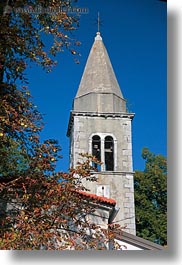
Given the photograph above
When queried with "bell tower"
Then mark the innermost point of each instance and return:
(100, 125)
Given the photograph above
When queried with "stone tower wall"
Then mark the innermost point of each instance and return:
(99, 109)
(117, 184)
(120, 128)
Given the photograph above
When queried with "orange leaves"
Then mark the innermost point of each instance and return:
(24, 188)
(21, 37)
(50, 192)
(37, 196)
(34, 193)
(52, 216)
(50, 211)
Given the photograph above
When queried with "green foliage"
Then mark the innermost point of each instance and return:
(16, 162)
(151, 198)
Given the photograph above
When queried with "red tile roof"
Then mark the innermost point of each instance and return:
(98, 198)
(101, 199)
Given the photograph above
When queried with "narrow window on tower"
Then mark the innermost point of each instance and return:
(109, 153)
(96, 149)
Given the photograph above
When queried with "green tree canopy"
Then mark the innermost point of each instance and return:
(151, 198)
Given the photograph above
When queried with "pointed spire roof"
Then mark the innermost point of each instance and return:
(99, 90)
(98, 76)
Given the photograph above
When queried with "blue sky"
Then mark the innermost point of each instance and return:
(134, 33)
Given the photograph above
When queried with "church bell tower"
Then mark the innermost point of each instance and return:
(100, 125)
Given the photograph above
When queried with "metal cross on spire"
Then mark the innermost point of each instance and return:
(98, 22)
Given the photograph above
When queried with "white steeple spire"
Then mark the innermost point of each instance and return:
(99, 89)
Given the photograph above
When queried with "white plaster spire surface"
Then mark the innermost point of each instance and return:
(99, 86)
(98, 74)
